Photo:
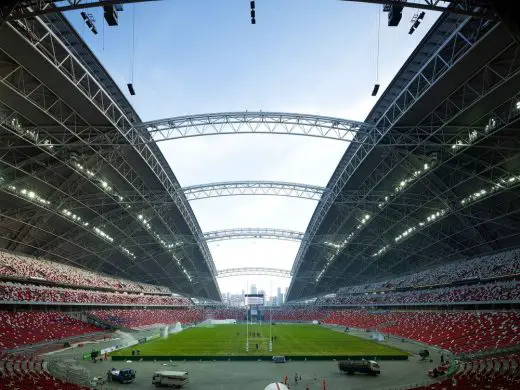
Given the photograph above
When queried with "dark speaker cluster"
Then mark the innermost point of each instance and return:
(253, 13)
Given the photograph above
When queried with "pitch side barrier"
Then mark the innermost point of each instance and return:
(255, 357)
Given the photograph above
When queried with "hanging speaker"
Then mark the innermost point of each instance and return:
(375, 90)
(131, 89)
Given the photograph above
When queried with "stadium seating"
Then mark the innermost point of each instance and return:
(226, 313)
(485, 267)
(12, 292)
(489, 373)
(22, 328)
(459, 332)
(147, 318)
(24, 267)
(495, 291)
(294, 314)
(22, 373)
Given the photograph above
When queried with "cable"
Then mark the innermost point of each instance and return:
(103, 33)
(376, 85)
(132, 61)
(378, 37)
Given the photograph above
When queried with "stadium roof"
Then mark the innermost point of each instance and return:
(430, 178)
(434, 179)
(54, 90)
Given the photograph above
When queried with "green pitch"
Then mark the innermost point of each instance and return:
(291, 340)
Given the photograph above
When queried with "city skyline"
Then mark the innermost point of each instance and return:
(274, 298)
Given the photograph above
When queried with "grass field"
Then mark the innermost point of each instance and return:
(292, 340)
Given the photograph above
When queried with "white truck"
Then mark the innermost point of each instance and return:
(175, 379)
(369, 367)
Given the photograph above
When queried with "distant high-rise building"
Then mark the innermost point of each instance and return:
(279, 297)
(253, 289)
(285, 294)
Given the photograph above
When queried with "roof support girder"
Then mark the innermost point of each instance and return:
(211, 190)
(228, 272)
(87, 85)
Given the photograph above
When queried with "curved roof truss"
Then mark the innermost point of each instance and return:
(224, 273)
(252, 122)
(211, 190)
(253, 233)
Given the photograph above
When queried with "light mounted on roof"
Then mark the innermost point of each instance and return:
(395, 13)
(110, 14)
(253, 13)
(416, 21)
(89, 21)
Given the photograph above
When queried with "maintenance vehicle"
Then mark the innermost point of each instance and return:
(175, 379)
(369, 367)
(125, 375)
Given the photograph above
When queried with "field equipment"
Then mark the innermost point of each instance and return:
(424, 353)
(125, 375)
(175, 379)
(369, 367)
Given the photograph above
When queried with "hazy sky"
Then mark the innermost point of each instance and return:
(302, 56)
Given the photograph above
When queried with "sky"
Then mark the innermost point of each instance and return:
(203, 56)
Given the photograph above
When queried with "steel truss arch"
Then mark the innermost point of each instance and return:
(250, 122)
(228, 272)
(212, 190)
(253, 233)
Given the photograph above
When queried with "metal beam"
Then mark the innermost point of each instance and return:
(503, 116)
(211, 190)
(30, 8)
(44, 40)
(464, 37)
(228, 272)
(20, 8)
(253, 233)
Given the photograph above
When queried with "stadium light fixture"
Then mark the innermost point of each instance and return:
(89, 21)
(253, 12)
(127, 252)
(416, 21)
(104, 235)
(395, 13)
(32, 135)
(76, 218)
(503, 184)
(30, 194)
(381, 250)
(101, 182)
(110, 14)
